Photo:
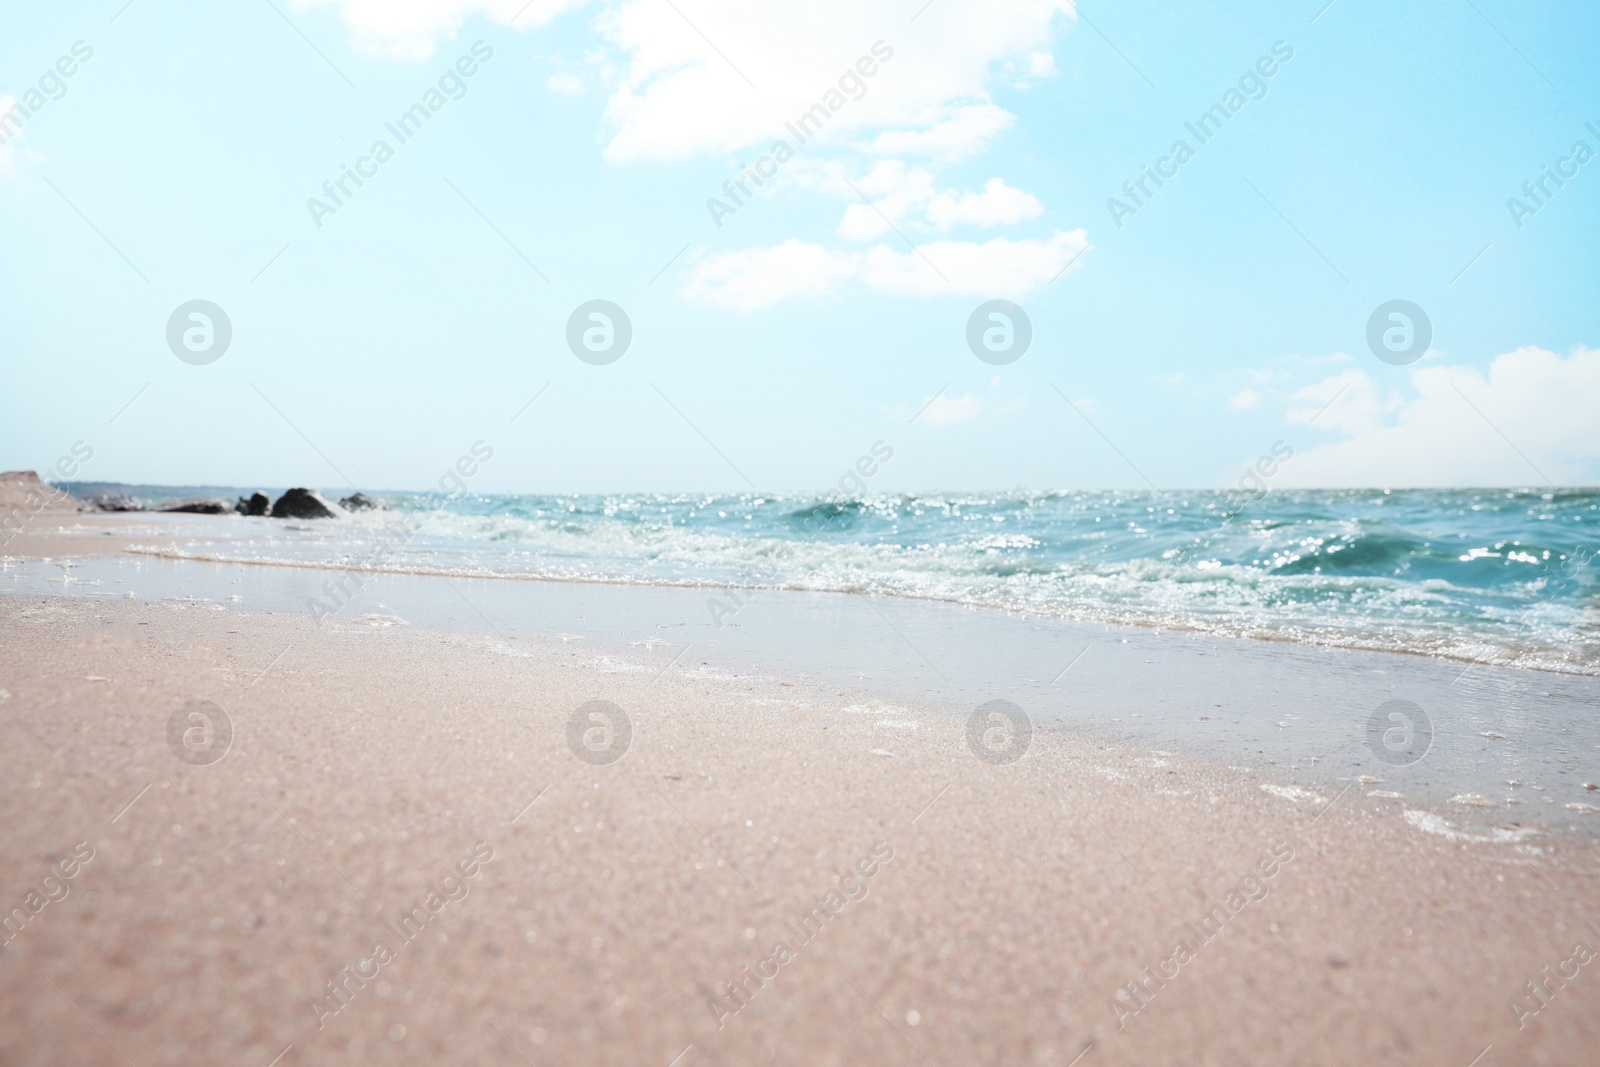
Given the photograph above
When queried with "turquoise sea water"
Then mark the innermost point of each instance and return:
(1498, 576)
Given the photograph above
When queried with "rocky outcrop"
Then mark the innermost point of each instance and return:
(116, 502)
(359, 502)
(24, 489)
(194, 507)
(257, 504)
(23, 496)
(304, 504)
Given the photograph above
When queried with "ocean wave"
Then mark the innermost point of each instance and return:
(1486, 576)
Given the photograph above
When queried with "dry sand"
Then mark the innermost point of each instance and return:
(367, 762)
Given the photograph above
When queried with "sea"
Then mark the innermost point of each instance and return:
(1493, 576)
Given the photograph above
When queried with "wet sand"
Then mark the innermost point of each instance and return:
(1493, 749)
(672, 906)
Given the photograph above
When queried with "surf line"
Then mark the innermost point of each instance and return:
(813, 524)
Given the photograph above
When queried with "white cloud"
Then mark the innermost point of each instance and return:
(710, 76)
(565, 84)
(411, 29)
(1532, 402)
(758, 277)
(908, 197)
(705, 77)
(681, 95)
(1244, 401)
(953, 134)
(998, 205)
(1347, 402)
(946, 410)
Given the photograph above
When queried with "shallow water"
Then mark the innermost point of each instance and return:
(1487, 750)
(1488, 576)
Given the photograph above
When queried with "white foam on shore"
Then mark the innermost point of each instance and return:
(875, 707)
(1292, 792)
(373, 618)
(607, 665)
(897, 724)
(1429, 823)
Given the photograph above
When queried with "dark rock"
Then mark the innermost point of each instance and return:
(359, 502)
(257, 504)
(303, 504)
(194, 507)
(116, 502)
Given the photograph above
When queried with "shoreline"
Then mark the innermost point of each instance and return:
(1503, 747)
(45, 544)
(1023, 613)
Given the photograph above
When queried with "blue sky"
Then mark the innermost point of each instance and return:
(832, 307)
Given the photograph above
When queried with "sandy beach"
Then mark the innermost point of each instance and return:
(400, 857)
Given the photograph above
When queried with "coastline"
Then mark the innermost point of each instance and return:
(1023, 903)
(734, 594)
(366, 547)
(1502, 747)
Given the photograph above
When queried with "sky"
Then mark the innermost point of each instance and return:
(1314, 163)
